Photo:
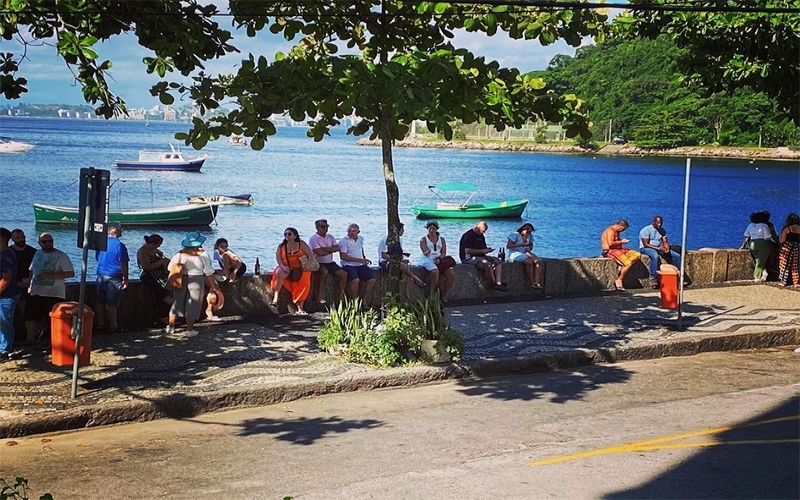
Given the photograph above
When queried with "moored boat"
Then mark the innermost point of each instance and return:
(446, 208)
(183, 215)
(163, 160)
(221, 199)
(9, 146)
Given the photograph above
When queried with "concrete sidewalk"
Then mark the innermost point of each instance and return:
(263, 360)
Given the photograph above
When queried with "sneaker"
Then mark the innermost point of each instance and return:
(169, 329)
(500, 287)
(214, 318)
(190, 333)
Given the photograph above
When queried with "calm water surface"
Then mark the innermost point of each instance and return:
(295, 181)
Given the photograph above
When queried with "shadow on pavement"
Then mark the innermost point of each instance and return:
(759, 459)
(517, 329)
(304, 431)
(556, 387)
(152, 360)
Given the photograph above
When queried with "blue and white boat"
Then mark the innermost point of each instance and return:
(163, 160)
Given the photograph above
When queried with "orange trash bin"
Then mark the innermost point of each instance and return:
(668, 285)
(63, 349)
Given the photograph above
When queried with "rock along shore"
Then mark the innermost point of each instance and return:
(782, 153)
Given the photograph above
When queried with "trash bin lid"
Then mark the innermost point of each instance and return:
(668, 269)
(68, 309)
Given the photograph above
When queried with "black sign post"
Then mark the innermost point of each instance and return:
(92, 234)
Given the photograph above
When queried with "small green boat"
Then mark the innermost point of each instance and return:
(184, 215)
(449, 209)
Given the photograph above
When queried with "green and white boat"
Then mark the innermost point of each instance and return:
(447, 208)
(183, 215)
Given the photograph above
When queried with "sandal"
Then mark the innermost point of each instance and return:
(618, 286)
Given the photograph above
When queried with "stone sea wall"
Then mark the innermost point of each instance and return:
(782, 153)
(561, 277)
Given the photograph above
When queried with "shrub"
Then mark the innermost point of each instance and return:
(394, 341)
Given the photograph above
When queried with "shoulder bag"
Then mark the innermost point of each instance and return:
(175, 278)
(309, 263)
(446, 262)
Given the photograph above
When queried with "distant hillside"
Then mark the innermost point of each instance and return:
(634, 87)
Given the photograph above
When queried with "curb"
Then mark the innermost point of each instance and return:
(180, 406)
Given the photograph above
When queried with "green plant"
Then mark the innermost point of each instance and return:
(19, 491)
(388, 342)
(359, 334)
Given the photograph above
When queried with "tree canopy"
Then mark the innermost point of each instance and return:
(727, 50)
(636, 85)
(399, 64)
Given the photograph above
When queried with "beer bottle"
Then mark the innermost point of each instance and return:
(257, 268)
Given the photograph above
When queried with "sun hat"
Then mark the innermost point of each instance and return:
(193, 240)
(527, 224)
(432, 223)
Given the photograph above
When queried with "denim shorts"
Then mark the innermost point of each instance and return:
(362, 272)
(109, 290)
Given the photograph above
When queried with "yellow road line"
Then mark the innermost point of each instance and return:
(664, 442)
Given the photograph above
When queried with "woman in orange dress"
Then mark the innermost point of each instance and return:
(289, 272)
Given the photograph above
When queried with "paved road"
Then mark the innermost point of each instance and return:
(261, 360)
(717, 425)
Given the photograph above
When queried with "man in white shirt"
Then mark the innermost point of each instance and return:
(49, 269)
(383, 261)
(356, 265)
(324, 246)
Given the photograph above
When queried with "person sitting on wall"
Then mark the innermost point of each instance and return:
(153, 265)
(614, 247)
(520, 247)
(231, 264)
(289, 272)
(472, 250)
(436, 261)
(356, 264)
(654, 244)
(324, 245)
(385, 253)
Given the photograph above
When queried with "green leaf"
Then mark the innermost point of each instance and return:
(166, 98)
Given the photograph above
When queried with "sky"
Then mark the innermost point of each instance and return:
(51, 82)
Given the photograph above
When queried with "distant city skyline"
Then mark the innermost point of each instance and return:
(51, 82)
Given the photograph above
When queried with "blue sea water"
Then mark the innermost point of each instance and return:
(295, 181)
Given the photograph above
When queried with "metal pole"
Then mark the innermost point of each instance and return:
(683, 240)
(77, 319)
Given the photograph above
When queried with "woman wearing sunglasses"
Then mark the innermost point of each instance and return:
(289, 272)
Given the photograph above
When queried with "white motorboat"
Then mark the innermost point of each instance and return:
(9, 146)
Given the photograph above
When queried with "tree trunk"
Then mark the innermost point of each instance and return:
(392, 285)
